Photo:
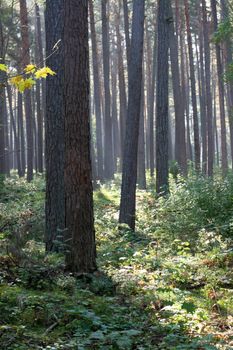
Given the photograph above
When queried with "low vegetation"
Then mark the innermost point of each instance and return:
(167, 286)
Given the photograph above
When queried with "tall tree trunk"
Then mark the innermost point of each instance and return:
(221, 92)
(162, 185)
(229, 58)
(16, 137)
(25, 60)
(203, 108)
(180, 144)
(121, 80)
(54, 127)
(21, 132)
(129, 174)
(108, 144)
(78, 178)
(39, 105)
(208, 91)
(193, 89)
(185, 97)
(141, 176)
(126, 25)
(98, 116)
(2, 128)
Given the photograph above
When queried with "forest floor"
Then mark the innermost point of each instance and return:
(167, 286)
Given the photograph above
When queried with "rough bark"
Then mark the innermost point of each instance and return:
(129, 174)
(162, 185)
(78, 178)
(54, 127)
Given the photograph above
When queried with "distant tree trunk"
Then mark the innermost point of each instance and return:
(203, 109)
(14, 126)
(229, 58)
(98, 116)
(141, 145)
(126, 25)
(162, 185)
(54, 127)
(122, 87)
(116, 134)
(28, 103)
(180, 144)
(108, 144)
(221, 92)
(151, 72)
(21, 132)
(185, 98)
(39, 105)
(129, 174)
(193, 90)
(6, 141)
(215, 122)
(81, 256)
(208, 91)
(2, 128)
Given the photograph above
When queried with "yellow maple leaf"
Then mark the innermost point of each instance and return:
(30, 68)
(3, 67)
(25, 84)
(16, 80)
(44, 72)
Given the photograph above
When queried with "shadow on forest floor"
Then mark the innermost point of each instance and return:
(143, 297)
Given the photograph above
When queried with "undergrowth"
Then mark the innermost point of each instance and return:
(168, 286)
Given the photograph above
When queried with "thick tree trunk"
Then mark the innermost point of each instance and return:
(162, 185)
(54, 127)
(80, 233)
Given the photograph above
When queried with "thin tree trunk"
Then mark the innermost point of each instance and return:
(180, 144)
(129, 175)
(98, 116)
(28, 104)
(108, 151)
(193, 89)
(39, 105)
(221, 93)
